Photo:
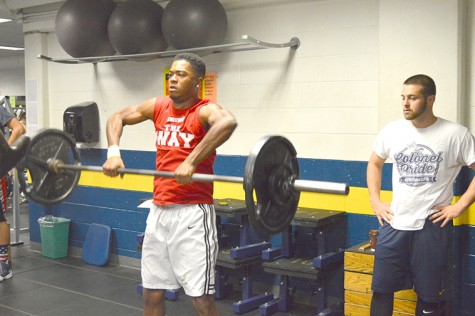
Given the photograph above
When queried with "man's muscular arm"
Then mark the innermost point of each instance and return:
(449, 212)
(374, 178)
(221, 125)
(130, 115)
(17, 129)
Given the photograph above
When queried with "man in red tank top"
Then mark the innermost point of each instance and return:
(180, 244)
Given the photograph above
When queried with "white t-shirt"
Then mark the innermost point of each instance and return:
(426, 162)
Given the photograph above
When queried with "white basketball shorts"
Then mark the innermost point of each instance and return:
(180, 248)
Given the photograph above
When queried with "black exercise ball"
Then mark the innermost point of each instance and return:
(135, 27)
(81, 27)
(194, 23)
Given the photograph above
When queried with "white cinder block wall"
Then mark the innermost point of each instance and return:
(423, 37)
(329, 97)
(12, 81)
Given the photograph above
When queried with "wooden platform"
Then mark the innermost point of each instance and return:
(358, 276)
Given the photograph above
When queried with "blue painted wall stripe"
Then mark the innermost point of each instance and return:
(351, 172)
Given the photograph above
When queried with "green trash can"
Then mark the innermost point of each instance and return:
(54, 233)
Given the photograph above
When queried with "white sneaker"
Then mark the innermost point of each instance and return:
(5, 271)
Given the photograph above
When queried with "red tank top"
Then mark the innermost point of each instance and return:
(178, 133)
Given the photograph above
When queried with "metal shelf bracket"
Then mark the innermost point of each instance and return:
(247, 43)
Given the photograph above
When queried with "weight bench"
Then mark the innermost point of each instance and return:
(240, 259)
(325, 266)
(248, 301)
(233, 208)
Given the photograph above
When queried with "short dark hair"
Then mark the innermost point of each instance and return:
(195, 61)
(427, 83)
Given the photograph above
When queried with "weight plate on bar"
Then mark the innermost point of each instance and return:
(270, 170)
(47, 186)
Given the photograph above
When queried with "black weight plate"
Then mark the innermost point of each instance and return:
(270, 169)
(48, 187)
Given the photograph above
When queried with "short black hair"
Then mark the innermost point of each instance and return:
(427, 83)
(195, 61)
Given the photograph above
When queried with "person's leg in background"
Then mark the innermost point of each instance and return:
(382, 304)
(432, 268)
(5, 268)
(391, 268)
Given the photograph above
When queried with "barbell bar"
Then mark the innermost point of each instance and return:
(271, 175)
(301, 185)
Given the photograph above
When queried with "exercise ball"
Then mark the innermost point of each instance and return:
(81, 27)
(194, 23)
(135, 27)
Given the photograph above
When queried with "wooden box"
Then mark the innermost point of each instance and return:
(358, 266)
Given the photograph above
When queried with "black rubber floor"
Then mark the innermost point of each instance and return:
(68, 286)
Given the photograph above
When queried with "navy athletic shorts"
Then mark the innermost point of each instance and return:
(416, 258)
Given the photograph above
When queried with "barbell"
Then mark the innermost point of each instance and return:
(271, 175)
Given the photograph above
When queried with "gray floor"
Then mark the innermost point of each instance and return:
(43, 286)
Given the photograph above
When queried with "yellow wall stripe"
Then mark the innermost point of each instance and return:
(129, 182)
(357, 202)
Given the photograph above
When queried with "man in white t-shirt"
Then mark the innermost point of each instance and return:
(416, 230)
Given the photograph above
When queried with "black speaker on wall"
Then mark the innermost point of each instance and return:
(81, 121)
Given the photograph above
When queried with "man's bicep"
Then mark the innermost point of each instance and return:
(376, 160)
(14, 124)
(138, 113)
(212, 113)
